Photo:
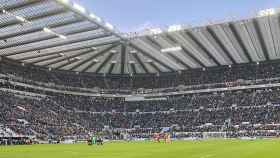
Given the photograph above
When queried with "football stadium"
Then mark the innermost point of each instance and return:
(72, 85)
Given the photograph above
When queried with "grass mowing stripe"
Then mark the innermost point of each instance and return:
(178, 149)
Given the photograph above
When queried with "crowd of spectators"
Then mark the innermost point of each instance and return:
(67, 115)
(58, 114)
(217, 76)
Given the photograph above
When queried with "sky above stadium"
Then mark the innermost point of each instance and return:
(135, 15)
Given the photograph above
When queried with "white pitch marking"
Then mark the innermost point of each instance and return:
(206, 156)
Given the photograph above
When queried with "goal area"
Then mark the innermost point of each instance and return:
(213, 135)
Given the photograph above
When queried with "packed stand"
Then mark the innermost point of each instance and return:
(198, 78)
(67, 115)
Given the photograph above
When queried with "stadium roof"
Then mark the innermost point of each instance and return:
(60, 34)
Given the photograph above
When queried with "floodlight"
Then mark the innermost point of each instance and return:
(62, 36)
(79, 7)
(174, 28)
(113, 51)
(98, 19)
(171, 49)
(133, 51)
(61, 54)
(156, 31)
(109, 26)
(267, 12)
(47, 30)
(20, 18)
(64, 1)
(131, 62)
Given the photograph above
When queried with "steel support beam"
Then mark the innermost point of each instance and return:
(152, 57)
(198, 62)
(93, 57)
(23, 5)
(65, 51)
(261, 39)
(104, 62)
(65, 64)
(202, 47)
(39, 29)
(179, 60)
(68, 57)
(133, 67)
(45, 59)
(111, 68)
(123, 57)
(141, 63)
(59, 44)
(153, 42)
(37, 17)
(47, 38)
(239, 41)
(155, 67)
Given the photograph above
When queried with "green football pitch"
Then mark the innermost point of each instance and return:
(178, 149)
